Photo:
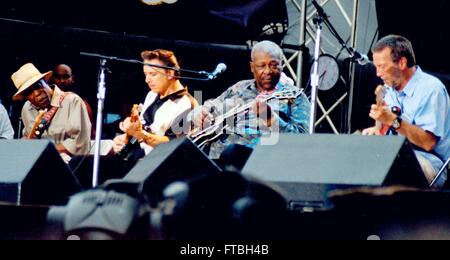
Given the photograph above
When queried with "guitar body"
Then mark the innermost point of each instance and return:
(204, 137)
(208, 135)
(36, 131)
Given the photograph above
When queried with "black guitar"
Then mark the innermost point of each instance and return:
(203, 137)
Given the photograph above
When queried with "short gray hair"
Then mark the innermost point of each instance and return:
(400, 47)
(268, 47)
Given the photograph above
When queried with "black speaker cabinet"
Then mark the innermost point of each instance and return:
(307, 167)
(32, 172)
(179, 160)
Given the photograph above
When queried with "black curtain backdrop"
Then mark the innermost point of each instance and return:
(222, 21)
(425, 23)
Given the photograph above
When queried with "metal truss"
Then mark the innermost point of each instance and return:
(306, 37)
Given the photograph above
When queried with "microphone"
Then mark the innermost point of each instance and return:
(221, 68)
(362, 59)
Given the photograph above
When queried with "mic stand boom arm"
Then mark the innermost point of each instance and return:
(200, 73)
(326, 21)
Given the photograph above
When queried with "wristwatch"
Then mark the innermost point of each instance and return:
(397, 123)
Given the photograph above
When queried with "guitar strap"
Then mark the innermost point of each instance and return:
(47, 119)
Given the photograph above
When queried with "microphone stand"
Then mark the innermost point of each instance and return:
(315, 74)
(322, 17)
(101, 96)
(99, 124)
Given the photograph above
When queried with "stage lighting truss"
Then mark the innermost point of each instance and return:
(306, 38)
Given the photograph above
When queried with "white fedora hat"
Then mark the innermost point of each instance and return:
(25, 77)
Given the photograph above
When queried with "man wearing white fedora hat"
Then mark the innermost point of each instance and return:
(51, 113)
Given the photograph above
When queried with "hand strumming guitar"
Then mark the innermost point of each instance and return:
(381, 113)
(135, 130)
(119, 143)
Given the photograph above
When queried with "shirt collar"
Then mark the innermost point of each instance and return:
(56, 97)
(252, 85)
(412, 83)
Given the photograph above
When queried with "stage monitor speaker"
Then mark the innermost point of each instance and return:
(33, 172)
(179, 160)
(307, 167)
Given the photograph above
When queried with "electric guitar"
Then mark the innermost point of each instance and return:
(203, 137)
(130, 140)
(380, 92)
(36, 131)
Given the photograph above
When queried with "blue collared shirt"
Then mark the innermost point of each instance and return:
(425, 103)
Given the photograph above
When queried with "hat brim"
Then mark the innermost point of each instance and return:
(29, 83)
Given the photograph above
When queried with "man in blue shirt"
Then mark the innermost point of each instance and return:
(422, 99)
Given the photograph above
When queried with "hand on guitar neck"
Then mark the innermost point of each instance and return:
(129, 126)
(135, 133)
(381, 113)
(131, 122)
(205, 119)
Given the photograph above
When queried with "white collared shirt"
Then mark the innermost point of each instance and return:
(165, 115)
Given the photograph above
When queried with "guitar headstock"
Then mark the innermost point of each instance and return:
(135, 111)
(380, 92)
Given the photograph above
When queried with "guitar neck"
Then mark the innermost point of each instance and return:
(37, 122)
(238, 110)
(380, 92)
